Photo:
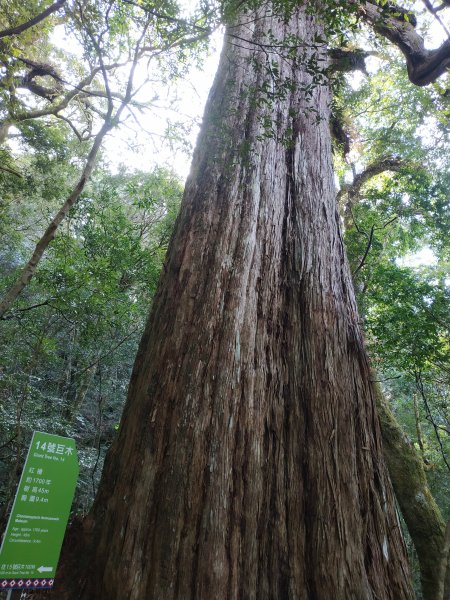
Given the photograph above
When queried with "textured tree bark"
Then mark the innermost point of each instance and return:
(444, 567)
(420, 511)
(249, 459)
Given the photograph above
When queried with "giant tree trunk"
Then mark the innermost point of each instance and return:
(249, 459)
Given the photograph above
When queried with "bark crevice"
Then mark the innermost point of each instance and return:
(241, 452)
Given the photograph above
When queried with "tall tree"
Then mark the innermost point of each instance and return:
(249, 459)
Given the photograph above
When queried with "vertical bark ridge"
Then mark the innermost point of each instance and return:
(249, 453)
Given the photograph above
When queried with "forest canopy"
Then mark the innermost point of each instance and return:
(83, 240)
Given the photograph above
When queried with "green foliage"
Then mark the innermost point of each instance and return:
(70, 342)
(86, 64)
(392, 217)
(407, 318)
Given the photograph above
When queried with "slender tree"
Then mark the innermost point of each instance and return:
(134, 37)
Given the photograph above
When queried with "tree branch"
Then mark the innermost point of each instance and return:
(165, 17)
(389, 163)
(54, 109)
(110, 121)
(34, 21)
(8, 442)
(9, 170)
(434, 12)
(369, 245)
(72, 126)
(424, 66)
(420, 387)
(30, 268)
(26, 309)
(111, 351)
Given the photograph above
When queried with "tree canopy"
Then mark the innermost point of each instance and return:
(83, 245)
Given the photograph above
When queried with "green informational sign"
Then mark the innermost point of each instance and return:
(34, 535)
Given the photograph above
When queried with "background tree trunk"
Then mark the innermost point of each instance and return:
(419, 509)
(249, 458)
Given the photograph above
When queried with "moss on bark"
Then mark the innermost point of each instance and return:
(420, 511)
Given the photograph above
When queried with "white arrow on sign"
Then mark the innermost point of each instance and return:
(45, 569)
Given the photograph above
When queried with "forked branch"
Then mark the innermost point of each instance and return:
(424, 66)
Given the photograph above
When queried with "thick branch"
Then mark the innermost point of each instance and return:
(55, 108)
(38, 69)
(35, 88)
(424, 66)
(352, 190)
(34, 21)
